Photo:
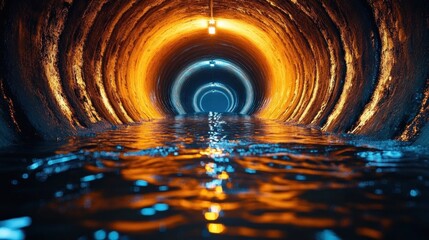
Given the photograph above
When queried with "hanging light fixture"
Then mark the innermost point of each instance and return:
(212, 27)
(212, 22)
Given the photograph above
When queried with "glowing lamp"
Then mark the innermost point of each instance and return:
(212, 63)
(212, 27)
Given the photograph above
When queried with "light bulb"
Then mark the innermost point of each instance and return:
(212, 27)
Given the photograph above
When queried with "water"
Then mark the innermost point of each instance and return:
(214, 177)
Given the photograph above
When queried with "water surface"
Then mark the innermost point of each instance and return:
(214, 177)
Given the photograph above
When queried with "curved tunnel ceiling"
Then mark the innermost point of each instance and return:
(346, 66)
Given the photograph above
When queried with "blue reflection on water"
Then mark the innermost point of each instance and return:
(90, 178)
(141, 183)
(300, 177)
(161, 207)
(148, 211)
(113, 235)
(100, 235)
(217, 175)
(327, 235)
(12, 228)
(158, 151)
(20, 222)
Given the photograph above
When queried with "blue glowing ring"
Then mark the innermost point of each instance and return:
(221, 88)
(178, 83)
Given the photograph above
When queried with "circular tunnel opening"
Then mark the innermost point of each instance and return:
(204, 73)
(220, 84)
(214, 97)
(214, 101)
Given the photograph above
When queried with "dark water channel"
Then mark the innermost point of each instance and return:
(214, 177)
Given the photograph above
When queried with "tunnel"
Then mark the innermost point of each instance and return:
(214, 119)
(358, 67)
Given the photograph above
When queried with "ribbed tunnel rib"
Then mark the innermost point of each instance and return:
(346, 66)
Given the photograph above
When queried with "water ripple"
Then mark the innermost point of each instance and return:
(193, 177)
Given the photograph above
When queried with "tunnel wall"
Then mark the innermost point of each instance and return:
(354, 66)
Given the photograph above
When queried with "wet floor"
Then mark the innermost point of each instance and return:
(214, 177)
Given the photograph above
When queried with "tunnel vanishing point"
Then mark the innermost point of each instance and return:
(356, 66)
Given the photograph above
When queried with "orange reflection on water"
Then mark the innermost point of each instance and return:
(369, 233)
(223, 176)
(138, 226)
(260, 180)
(212, 152)
(215, 228)
(211, 216)
(213, 212)
(255, 233)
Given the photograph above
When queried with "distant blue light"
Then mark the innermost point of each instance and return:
(160, 207)
(249, 170)
(163, 188)
(100, 235)
(24, 176)
(148, 211)
(141, 183)
(113, 235)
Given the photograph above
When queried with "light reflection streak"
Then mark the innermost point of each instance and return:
(216, 228)
(11, 229)
(385, 78)
(76, 56)
(216, 171)
(10, 106)
(50, 64)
